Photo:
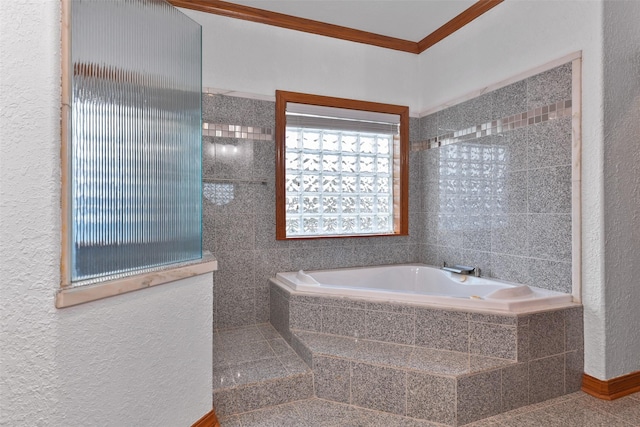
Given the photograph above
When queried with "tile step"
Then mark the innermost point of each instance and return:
(310, 345)
(436, 386)
(258, 395)
(254, 367)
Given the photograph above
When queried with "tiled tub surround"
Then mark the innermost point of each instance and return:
(501, 201)
(496, 182)
(445, 366)
(239, 214)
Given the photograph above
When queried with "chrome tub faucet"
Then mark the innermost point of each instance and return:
(461, 269)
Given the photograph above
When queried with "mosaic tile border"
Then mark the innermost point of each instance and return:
(534, 116)
(236, 131)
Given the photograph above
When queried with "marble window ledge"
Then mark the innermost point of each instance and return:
(70, 296)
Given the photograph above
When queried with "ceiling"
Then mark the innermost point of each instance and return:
(405, 19)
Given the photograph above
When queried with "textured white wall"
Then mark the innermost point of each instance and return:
(29, 210)
(139, 359)
(513, 38)
(622, 185)
(142, 359)
(254, 58)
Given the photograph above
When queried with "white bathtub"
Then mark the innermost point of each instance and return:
(423, 285)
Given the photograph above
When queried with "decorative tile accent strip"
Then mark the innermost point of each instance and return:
(236, 131)
(517, 121)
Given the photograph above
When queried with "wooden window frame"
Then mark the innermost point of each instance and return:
(400, 159)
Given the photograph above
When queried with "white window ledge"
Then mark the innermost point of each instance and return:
(70, 296)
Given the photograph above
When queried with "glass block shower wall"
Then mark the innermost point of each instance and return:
(136, 137)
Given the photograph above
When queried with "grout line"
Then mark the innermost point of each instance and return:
(455, 402)
(501, 385)
(313, 375)
(351, 382)
(529, 369)
(406, 393)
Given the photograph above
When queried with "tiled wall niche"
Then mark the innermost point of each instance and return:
(496, 179)
(239, 214)
(489, 187)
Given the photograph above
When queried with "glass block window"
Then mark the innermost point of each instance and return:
(340, 169)
(134, 162)
(338, 182)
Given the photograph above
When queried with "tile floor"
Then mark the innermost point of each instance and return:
(572, 410)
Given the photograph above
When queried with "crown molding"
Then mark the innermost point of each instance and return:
(247, 13)
(468, 15)
(253, 14)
